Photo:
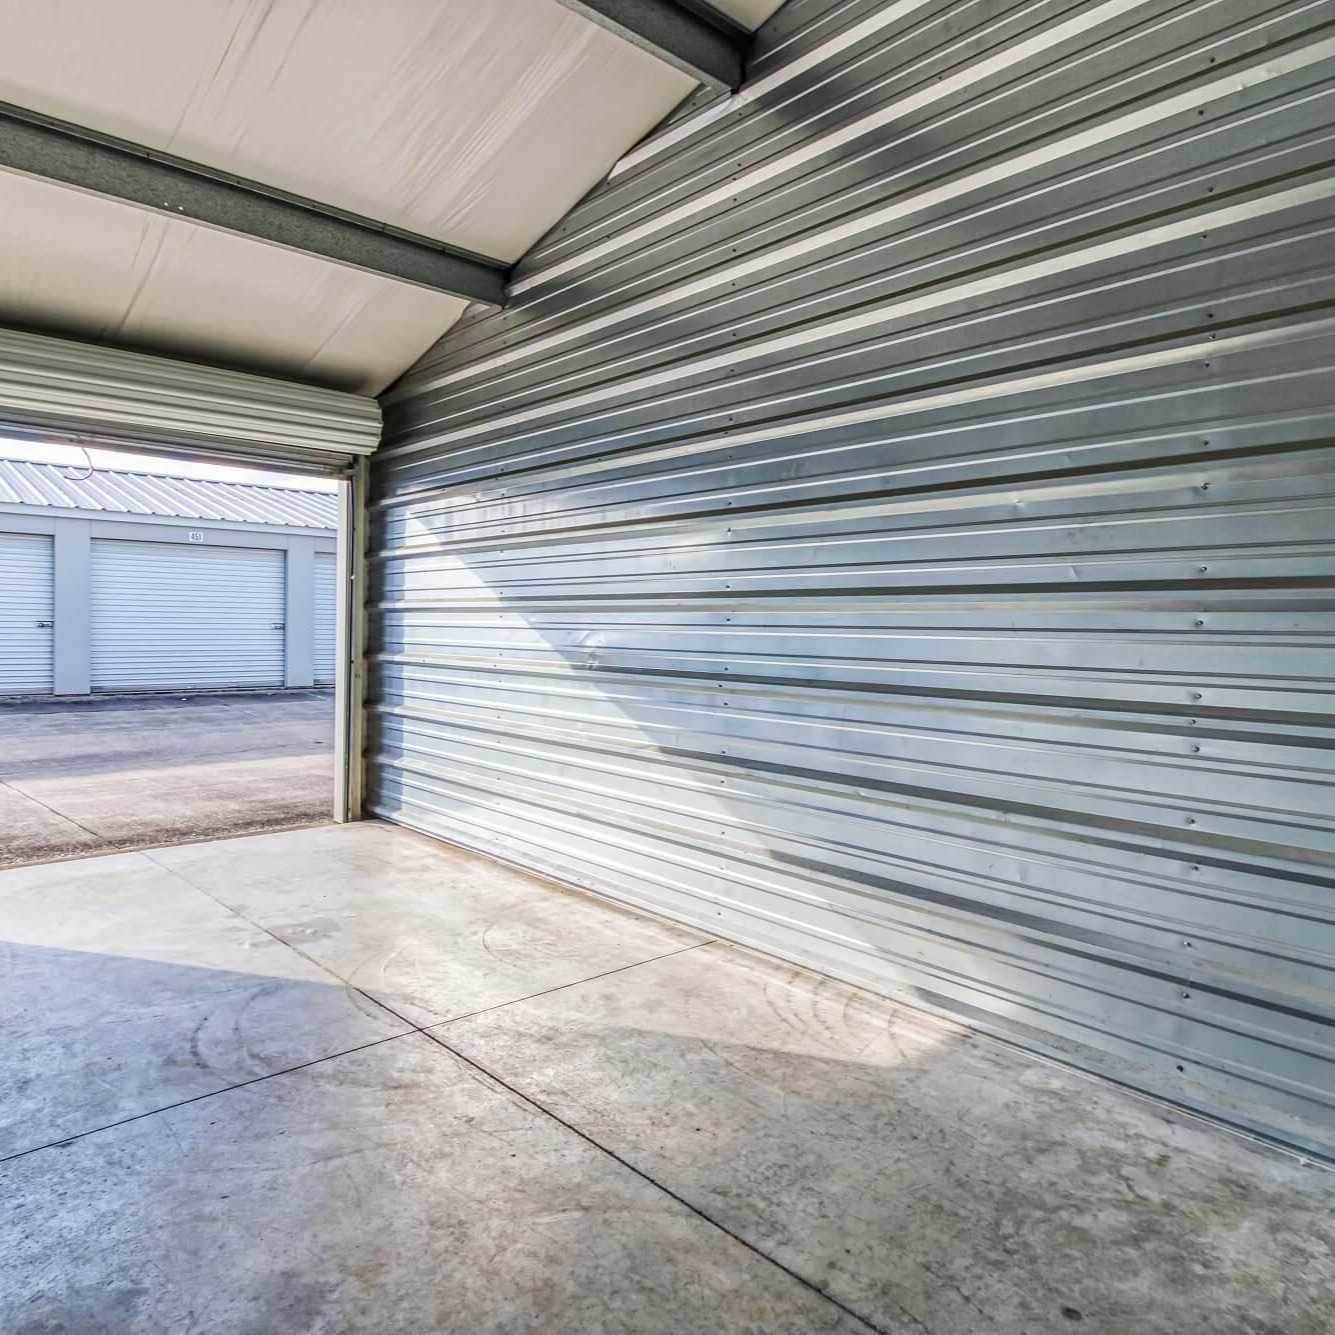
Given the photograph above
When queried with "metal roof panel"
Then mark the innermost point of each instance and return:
(123, 491)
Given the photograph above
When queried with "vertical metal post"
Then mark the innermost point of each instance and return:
(350, 629)
(299, 617)
(72, 607)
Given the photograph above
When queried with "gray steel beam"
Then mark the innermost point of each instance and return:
(710, 53)
(57, 151)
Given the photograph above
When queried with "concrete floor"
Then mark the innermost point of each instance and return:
(86, 776)
(350, 1080)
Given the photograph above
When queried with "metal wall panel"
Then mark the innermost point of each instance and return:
(325, 618)
(172, 616)
(894, 525)
(27, 614)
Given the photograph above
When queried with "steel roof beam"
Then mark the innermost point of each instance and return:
(710, 52)
(52, 150)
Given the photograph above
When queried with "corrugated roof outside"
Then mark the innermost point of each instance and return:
(123, 491)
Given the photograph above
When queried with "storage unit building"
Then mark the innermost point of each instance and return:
(884, 515)
(168, 584)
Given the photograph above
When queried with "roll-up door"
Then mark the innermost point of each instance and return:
(54, 388)
(325, 618)
(26, 614)
(896, 530)
(172, 616)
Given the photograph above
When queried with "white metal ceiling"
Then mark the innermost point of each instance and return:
(478, 124)
(94, 268)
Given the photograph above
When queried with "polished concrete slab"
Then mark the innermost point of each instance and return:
(925, 1174)
(446, 933)
(78, 776)
(600, 1123)
(392, 1191)
(123, 990)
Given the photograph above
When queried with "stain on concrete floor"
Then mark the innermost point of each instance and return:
(101, 775)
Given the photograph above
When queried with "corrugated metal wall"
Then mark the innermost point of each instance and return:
(893, 525)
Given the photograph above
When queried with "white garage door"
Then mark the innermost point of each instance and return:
(26, 614)
(326, 607)
(169, 616)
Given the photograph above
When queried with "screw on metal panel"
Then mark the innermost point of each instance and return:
(1191, 820)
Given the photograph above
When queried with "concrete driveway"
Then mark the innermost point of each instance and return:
(92, 776)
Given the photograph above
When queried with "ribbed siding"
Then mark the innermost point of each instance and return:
(27, 610)
(167, 616)
(119, 491)
(53, 388)
(893, 525)
(326, 618)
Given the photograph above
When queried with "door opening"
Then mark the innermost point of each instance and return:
(177, 643)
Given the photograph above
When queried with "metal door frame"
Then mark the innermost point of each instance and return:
(350, 644)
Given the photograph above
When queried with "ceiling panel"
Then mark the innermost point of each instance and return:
(89, 267)
(477, 122)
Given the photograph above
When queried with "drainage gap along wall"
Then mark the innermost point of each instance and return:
(892, 525)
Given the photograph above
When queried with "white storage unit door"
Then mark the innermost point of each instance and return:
(325, 619)
(170, 616)
(26, 614)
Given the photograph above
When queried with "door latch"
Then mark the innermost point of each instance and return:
(46, 624)
(278, 625)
